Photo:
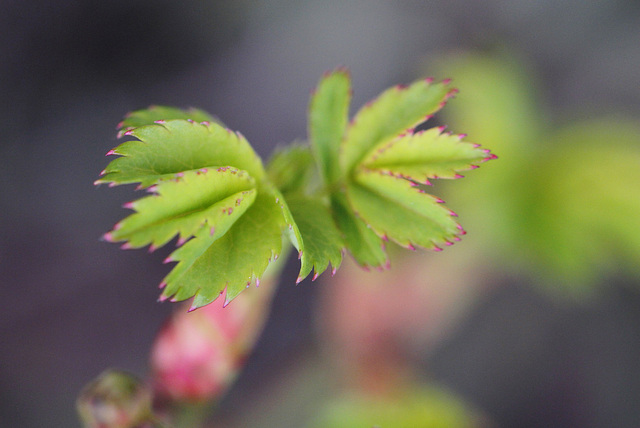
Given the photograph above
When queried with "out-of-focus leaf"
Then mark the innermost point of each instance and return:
(587, 215)
(426, 155)
(328, 113)
(164, 149)
(497, 104)
(413, 408)
(562, 204)
(396, 210)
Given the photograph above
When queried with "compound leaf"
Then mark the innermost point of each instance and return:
(426, 155)
(394, 209)
(395, 111)
(322, 241)
(208, 265)
(185, 204)
(328, 113)
(164, 149)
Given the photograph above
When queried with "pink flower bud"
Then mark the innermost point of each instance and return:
(198, 354)
(114, 400)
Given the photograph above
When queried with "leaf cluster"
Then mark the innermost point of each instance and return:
(353, 186)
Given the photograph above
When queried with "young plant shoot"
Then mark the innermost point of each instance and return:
(355, 185)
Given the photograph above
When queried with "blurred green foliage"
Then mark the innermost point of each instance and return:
(420, 407)
(563, 204)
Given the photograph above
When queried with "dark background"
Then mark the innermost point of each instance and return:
(72, 306)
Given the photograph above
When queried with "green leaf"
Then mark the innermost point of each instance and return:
(184, 205)
(498, 103)
(584, 204)
(328, 114)
(395, 111)
(164, 149)
(396, 210)
(362, 242)
(426, 155)
(407, 407)
(291, 168)
(322, 242)
(153, 114)
(209, 265)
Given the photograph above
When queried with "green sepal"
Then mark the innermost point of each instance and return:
(208, 265)
(164, 149)
(364, 245)
(183, 205)
(396, 210)
(429, 154)
(321, 239)
(395, 111)
(153, 114)
(328, 115)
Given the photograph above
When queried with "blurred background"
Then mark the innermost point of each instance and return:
(533, 320)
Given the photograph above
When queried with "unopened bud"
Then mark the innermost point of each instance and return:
(114, 400)
(198, 354)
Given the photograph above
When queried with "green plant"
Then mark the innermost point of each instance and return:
(354, 186)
